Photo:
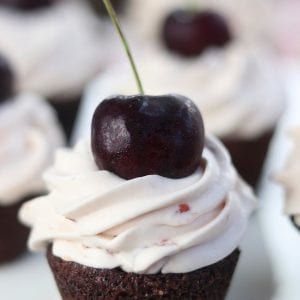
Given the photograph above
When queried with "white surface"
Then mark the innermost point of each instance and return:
(269, 245)
(28, 278)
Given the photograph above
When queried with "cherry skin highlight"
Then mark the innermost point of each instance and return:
(6, 80)
(134, 136)
(190, 33)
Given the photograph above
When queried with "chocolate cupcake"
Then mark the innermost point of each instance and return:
(248, 155)
(74, 279)
(29, 135)
(289, 179)
(148, 221)
(68, 46)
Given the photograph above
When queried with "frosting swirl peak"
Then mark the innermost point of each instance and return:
(144, 225)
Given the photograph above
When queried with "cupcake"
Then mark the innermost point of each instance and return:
(148, 208)
(68, 46)
(288, 178)
(213, 54)
(29, 135)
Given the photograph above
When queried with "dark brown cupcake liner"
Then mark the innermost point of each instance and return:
(248, 156)
(66, 110)
(13, 235)
(76, 281)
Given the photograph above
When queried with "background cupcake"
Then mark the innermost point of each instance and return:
(29, 134)
(55, 49)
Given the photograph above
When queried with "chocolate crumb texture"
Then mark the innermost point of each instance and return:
(76, 281)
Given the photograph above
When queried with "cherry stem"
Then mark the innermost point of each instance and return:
(117, 25)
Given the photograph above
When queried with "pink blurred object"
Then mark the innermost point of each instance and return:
(286, 28)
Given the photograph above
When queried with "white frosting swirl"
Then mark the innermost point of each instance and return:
(29, 134)
(290, 179)
(56, 50)
(144, 225)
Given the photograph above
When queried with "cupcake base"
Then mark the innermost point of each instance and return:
(76, 281)
(248, 156)
(13, 235)
(66, 109)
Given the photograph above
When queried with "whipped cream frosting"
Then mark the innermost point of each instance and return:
(55, 50)
(29, 134)
(290, 179)
(144, 225)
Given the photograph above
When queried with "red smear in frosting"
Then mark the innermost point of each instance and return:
(183, 207)
(164, 241)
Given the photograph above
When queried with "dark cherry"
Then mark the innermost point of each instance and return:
(100, 7)
(27, 4)
(6, 80)
(136, 136)
(190, 33)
